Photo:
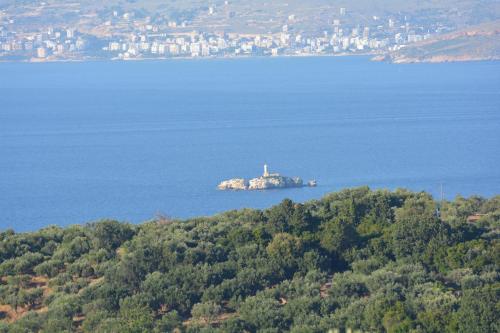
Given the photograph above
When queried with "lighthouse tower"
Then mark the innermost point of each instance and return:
(266, 172)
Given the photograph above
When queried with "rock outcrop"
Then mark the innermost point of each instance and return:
(233, 184)
(264, 182)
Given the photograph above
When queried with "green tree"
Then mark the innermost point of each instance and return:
(260, 313)
(208, 311)
(135, 315)
(338, 236)
(279, 216)
(110, 234)
(168, 322)
(396, 320)
(479, 311)
(285, 249)
(417, 229)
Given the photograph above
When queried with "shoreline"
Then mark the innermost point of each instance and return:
(374, 57)
(159, 215)
(115, 59)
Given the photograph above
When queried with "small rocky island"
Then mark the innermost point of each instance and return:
(264, 182)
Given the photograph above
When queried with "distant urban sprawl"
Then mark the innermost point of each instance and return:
(128, 35)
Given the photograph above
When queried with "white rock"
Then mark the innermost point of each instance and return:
(233, 184)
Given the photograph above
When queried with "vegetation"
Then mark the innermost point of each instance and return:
(373, 261)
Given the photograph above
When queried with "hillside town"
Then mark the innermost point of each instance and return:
(128, 35)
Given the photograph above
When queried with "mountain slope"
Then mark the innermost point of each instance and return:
(475, 43)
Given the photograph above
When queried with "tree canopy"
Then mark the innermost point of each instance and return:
(370, 261)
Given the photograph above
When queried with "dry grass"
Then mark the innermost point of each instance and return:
(95, 281)
(9, 315)
(216, 322)
(323, 290)
(39, 281)
(120, 252)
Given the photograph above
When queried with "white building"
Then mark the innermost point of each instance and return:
(41, 52)
(114, 46)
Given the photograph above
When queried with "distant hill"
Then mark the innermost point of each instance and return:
(461, 12)
(480, 42)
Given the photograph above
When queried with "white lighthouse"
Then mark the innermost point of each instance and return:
(266, 172)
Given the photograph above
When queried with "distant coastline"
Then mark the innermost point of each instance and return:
(372, 57)
(228, 57)
(375, 57)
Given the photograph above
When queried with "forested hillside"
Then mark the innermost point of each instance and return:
(374, 261)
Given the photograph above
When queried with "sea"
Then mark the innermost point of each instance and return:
(85, 141)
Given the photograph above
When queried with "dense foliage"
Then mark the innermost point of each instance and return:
(373, 261)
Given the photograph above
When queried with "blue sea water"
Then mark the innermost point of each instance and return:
(129, 140)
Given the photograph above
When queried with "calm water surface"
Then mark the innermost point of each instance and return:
(84, 141)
